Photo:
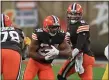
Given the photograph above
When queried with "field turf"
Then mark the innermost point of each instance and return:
(97, 71)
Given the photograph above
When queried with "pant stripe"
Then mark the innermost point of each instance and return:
(67, 68)
(19, 72)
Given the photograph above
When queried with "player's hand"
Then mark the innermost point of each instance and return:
(67, 37)
(27, 40)
(75, 52)
(52, 52)
(48, 57)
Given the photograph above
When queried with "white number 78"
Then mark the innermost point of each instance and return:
(13, 34)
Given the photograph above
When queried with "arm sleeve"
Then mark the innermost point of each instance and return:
(82, 37)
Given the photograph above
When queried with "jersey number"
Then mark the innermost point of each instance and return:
(13, 34)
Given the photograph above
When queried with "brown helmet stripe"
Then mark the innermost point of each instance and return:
(55, 19)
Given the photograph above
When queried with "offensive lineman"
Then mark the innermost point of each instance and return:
(12, 39)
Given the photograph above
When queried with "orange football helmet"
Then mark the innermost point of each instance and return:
(51, 24)
(74, 12)
(5, 21)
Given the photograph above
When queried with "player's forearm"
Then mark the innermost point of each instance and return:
(65, 53)
(65, 50)
(81, 40)
(36, 56)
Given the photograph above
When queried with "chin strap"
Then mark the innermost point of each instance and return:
(73, 21)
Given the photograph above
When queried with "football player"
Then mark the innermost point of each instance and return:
(106, 53)
(82, 58)
(47, 43)
(12, 39)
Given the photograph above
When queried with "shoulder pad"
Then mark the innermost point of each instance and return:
(39, 30)
(19, 29)
(82, 21)
(62, 31)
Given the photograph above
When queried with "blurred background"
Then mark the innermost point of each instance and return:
(30, 14)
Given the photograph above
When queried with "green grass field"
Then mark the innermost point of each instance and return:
(98, 73)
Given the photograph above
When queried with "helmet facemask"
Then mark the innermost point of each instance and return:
(52, 30)
(73, 17)
(51, 25)
(74, 13)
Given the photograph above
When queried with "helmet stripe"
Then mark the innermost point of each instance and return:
(74, 6)
(55, 19)
(2, 20)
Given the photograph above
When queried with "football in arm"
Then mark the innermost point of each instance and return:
(43, 50)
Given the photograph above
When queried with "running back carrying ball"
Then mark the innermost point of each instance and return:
(43, 50)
